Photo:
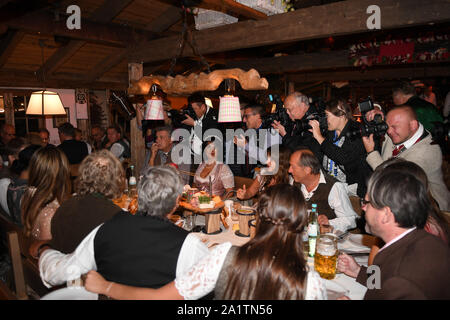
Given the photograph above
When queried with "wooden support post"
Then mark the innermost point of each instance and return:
(16, 260)
(291, 87)
(9, 108)
(136, 72)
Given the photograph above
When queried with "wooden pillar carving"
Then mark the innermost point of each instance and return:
(136, 72)
(9, 108)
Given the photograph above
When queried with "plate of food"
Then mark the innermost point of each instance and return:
(202, 202)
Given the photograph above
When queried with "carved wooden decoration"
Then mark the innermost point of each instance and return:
(181, 85)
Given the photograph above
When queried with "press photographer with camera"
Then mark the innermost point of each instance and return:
(344, 157)
(297, 106)
(206, 118)
(407, 138)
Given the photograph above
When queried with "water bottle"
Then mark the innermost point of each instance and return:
(132, 191)
(313, 230)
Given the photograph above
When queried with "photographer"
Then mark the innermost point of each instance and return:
(344, 158)
(206, 119)
(407, 138)
(297, 106)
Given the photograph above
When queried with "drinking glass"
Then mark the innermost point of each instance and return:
(326, 256)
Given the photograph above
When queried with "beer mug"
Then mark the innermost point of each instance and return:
(326, 256)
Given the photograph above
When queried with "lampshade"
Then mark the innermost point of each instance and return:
(229, 109)
(51, 101)
(154, 109)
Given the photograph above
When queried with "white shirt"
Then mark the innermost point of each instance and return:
(397, 238)
(410, 142)
(56, 268)
(339, 201)
(201, 279)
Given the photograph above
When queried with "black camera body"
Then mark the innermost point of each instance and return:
(378, 127)
(279, 115)
(178, 116)
(316, 111)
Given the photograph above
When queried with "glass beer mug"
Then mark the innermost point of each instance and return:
(326, 256)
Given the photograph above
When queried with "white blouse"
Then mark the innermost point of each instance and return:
(201, 278)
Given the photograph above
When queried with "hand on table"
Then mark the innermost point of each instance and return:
(348, 265)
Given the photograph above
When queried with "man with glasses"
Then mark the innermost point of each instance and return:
(256, 148)
(413, 264)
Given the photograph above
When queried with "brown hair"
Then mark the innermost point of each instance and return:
(101, 172)
(272, 264)
(49, 179)
(339, 108)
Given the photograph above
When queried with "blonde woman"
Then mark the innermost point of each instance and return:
(48, 187)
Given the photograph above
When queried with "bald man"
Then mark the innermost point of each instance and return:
(407, 138)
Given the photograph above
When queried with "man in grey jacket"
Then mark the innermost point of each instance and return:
(407, 138)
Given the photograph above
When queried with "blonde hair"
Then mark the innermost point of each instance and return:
(101, 172)
(49, 179)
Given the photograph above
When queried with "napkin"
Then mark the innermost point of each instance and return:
(354, 243)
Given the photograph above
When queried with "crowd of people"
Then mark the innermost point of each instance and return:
(76, 226)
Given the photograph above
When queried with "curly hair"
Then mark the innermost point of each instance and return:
(101, 172)
(49, 179)
(272, 264)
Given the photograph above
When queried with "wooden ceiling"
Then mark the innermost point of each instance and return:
(116, 32)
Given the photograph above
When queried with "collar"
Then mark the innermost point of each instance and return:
(408, 143)
(397, 238)
(310, 194)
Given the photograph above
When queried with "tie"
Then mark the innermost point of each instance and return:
(397, 150)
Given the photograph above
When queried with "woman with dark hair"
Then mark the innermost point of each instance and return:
(272, 265)
(48, 186)
(18, 184)
(271, 176)
(344, 157)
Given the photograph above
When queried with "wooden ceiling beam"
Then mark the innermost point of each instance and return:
(294, 63)
(21, 78)
(417, 72)
(106, 12)
(7, 45)
(230, 7)
(91, 31)
(340, 18)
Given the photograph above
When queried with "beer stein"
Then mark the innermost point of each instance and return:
(326, 256)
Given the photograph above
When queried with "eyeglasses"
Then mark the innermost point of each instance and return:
(365, 202)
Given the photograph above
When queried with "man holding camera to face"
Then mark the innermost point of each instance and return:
(407, 138)
(297, 106)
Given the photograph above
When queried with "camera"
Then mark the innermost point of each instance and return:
(279, 115)
(377, 126)
(178, 116)
(316, 111)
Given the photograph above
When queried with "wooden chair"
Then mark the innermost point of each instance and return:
(240, 181)
(25, 268)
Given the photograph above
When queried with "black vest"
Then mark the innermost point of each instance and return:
(320, 197)
(138, 250)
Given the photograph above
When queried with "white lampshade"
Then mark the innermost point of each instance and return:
(229, 109)
(154, 110)
(52, 104)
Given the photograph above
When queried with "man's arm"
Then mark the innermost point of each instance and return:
(56, 268)
(340, 202)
